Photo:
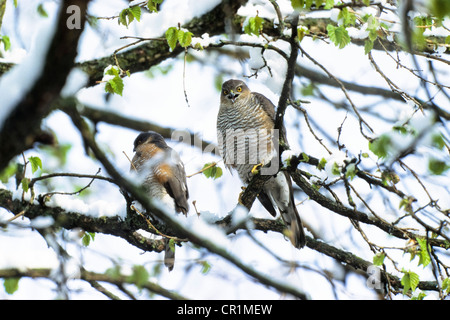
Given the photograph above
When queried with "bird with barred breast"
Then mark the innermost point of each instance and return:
(164, 178)
(247, 138)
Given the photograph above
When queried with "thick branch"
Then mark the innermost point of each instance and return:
(26, 117)
(125, 229)
(89, 276)
(360, 264)
(151, 53)
(354, 214)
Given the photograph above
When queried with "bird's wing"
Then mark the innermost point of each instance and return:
(269, 108)
(266, 104)
(174, 182)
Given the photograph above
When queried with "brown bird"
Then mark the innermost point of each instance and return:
(164, 177)
(247, 138)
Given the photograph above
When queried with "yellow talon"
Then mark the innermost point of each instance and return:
(255, 169)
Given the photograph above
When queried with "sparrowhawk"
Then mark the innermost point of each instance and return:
(164, 177)
(247, 137)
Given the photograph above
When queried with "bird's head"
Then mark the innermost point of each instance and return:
(234, 90)
(150, 138)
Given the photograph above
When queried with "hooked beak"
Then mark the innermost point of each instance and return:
(232, 96)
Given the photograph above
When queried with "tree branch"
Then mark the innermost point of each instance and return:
(26, 117)
(126, 229)
(90, 277)
(153, 52)
(97, 115)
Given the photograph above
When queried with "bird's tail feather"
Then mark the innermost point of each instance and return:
(296, 231)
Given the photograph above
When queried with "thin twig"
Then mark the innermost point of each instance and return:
(344, 90)
(204, 169)
(153, 227)
(131, 162)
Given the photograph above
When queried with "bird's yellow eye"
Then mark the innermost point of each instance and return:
(239, 89)
(225, 92)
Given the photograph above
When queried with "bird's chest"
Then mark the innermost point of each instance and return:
(250, 116)
(244, 137)
(156, 190)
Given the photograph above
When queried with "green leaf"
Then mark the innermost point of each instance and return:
(424, 22)
(420, 296)
(184, 38)
(406, 204)
(438, 140)
(126, 16)
(6, 42)
(213, 172)
(437, 167)
(446, 285)
(114, 85)
(389, 176)
(87, 238)
(440, 8)
(380, 145)
(378, 259)
(139, 277)
(111, 71)
(322, 164)
(304, 157)
(335, 169)
(373, 35)
(25, 182)
(113, 272)
(41, 11)
(347, 17)
(301, 32)
(329, 4)
(11, 285)
(136, 12)
(205, 267)
(172, 37)
(152, 5)
(368, 46)
(36, 163)
(338, 35)
(8, 172)
(410, 280)
(254, 26)
(123, 17)
(350, 171)
(298, 4)
(424, 257)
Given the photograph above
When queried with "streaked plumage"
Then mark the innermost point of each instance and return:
(165, 177)
(245, 133)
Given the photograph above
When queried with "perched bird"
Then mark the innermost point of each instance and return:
(164, 177)
(247, 138)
